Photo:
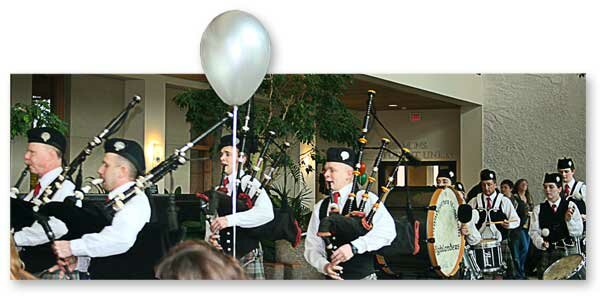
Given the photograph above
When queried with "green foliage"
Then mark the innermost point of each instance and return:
(37, 114)
(298, 107)
(204, 108)
(299, 202)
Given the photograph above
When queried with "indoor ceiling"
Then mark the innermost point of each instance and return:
(387, 94)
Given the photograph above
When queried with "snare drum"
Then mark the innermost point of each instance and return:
(570, 267)
(488, 256)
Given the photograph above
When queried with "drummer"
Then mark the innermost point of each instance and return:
(446, 178)
(460, 187)
(555, 224)
(575, 189)
(493, 206)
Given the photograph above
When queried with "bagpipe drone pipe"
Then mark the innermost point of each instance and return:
(284, 226)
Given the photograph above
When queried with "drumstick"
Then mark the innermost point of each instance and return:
(500, 222)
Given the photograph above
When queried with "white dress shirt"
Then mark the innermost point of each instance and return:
(575, 225)
(121, 234)
(499, 202)
(382, 233)
(580, 191)
(260, 214)
(35, 235)
(473, 237)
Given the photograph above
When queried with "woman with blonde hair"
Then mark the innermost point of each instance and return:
(17, 268)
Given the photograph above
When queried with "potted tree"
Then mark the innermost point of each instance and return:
(37, 114)
(299, 108)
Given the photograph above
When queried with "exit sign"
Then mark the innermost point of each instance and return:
(413, 117)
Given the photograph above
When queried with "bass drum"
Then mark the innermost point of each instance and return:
(431, 222)
(570, 267)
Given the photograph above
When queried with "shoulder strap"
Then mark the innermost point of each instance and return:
(572, 191)
(498, 201)
(323, 208)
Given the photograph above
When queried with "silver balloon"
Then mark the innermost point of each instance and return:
(235, 54)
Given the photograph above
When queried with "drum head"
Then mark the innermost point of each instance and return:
(564, 268)
(445, 242)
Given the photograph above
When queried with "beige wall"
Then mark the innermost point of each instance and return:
(20, 92)
(434, 138)
(532, 120)
(95, 100)
(177, 134)
(465, 88)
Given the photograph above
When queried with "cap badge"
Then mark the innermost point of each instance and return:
(491, 175)
(45, 136)
(119, 145)
(344, 155)
(451, 174)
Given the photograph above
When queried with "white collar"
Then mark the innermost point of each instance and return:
(556, 203)
(120, 189)
(571, 183)
(345, 190)
(49, 177)
(240, 176)
(492, 196)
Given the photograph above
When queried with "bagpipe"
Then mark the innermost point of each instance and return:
(21, 211)
(217, 202)
(24, 213)
(351, 200)
(338, 229)
(93, 217)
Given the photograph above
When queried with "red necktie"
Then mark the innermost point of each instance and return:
(225, 182)
(489, 204)
(555, 208)
(336, 197)
(566, 190)
(37, 190)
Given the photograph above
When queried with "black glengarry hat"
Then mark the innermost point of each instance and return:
(487, 174)
(129, 150)
(48, 136)
(341, 155)
(446, 173)
(566, 163)
(555, 178)
(251, 144)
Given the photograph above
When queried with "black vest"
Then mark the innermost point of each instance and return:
(360, 265)
(579, 202)
(139, 261)
(135, 264)
(245, 242)
(555, 222)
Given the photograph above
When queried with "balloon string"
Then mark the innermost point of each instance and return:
(234, 176)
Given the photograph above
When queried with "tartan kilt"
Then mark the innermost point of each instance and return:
(56, 275)
(253, 265)
(508, 259)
